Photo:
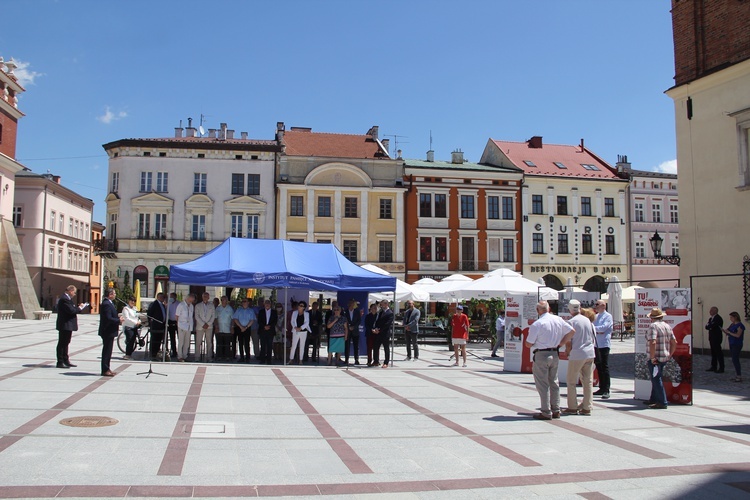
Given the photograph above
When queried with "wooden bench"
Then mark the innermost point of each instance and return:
(6, 314)
(42, 314)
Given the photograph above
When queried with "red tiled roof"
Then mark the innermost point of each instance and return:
(307, 143)
(573, 157)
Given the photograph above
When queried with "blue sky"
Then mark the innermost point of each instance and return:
(96, 71)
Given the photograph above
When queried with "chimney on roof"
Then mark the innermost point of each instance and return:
(623, 166)
(230, 134)
(582, 148)
(243, 135)
(386, 144)
(280, 131)
(535, 142)
(430, 156)
(457, 156)
(223, 132)
(373, 132)
(190, 130)
(398, 155)
(178, 131)
(212, 133)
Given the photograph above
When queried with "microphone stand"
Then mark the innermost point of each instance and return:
(164, 353)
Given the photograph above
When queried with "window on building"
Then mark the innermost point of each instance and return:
(87, 235)
(587, 246)
(76, 225)
(51, 256)
(562, 205)
(350, 207)
(238, 184)
(146, 182)
(467, 206)
(162, 182)
(537, 243)
(385, 251)
(425, 249)
(61, 227)
(495, 249)
(507, 208)
(609, 207)
(640, 250)
(17, 216)
(253, 184)
(52, 220)
(468, 259)
(253, 226)
(425, 205)
(441, 206)
(673, 213)
(350, 250)
(385, 208)
(493, 207)
(198, 232)
(508, 250)
(324, 206)
(589, 166)
(559, 164)
(323, 241)
(144, 225)
(639, 212)
(160, 226)
(296, 207)
(675, 249)
(70, 226)
(441, 249)
(586, 205)
(537, 205)
(237, 225)
(656, 212)
(115, 185)
(529, 163)
(609, 244)
(70, 261)
(199, 183)
(562, 243)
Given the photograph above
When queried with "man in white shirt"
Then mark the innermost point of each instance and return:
(603, 326)
(205, 313)
(546, 335)
(184, 317)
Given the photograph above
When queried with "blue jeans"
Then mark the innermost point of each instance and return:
(735, 350)
(658, 395)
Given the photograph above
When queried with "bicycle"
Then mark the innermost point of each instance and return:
(140, 340)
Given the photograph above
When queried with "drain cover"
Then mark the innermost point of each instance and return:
(89, 421)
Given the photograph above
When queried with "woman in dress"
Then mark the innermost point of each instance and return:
(460, 333)
(338, 326)
(300, 326)
(735, 334)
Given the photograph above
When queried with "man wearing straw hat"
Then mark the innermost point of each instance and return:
(661, 346)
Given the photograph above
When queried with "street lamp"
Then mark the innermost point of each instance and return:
(656, 242)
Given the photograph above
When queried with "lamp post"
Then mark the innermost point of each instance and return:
(656, 242)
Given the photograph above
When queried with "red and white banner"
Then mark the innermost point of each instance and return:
(520, 312)
(678, 372)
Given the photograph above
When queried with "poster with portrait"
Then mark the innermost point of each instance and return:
(678, 372)
(520, 312)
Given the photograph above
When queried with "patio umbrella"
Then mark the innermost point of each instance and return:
(628, 294)
(404, 291)
(444, 291)
(137, 295)
(503, 282)
(159, 288)
(614, 303)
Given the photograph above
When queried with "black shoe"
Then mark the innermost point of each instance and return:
(494, 355)
(605, 395)
(658, 406)
(720, 370)
(356, 363)
(711, 370)
(599, 392)
(62, 365)
(69, 364)
(648, 402)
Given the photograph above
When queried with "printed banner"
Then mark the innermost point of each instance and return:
(678, 372)
(520, 312)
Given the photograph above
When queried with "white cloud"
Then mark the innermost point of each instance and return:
(109, 116)
(667, 167)
(25, 76)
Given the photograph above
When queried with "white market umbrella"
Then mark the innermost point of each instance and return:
(404, 291)
(628, 294)
(444, 291)
(614, 301)
(503, 282)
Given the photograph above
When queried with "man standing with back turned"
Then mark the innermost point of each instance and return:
(546, 335)
(715, 338)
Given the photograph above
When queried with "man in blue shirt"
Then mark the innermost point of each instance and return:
(244, 317)
(603, 326)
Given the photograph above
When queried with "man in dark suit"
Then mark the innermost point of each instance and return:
(715, 338)
(109, 327)
(157, 322)
(267, 319)
(383, 325)
(353, 319)
(411, 329)
(67, 323)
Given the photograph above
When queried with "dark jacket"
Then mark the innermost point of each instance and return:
(271, 323)
(157, 317)
(67, 314)
(109, 321)
(353, 323)
(715, 325)
(384, 322)
(316, 322)
(370, 323)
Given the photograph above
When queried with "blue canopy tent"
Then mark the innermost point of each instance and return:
(249, 263)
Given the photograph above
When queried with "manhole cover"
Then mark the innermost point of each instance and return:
(88, 421)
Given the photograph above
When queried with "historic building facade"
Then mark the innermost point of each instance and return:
(461, 217)
(573, 210)
(343, 189)
(173, 199)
